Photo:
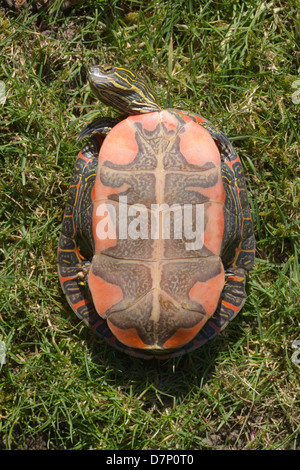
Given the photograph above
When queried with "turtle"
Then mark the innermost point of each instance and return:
(157, 237)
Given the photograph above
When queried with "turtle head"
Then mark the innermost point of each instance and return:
(122, 89)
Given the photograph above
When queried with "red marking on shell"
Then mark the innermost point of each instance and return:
(149, 121)
(97, 324)
(68, 278)
(214, 228)
(197, 145)
(235, 278)
(231, 306)
(231, 162)
(169, 120)
(120, 147)
(129, 336)
(104, 294)
(183, 336)
(187, 117)
(199, 119)
(80, 303)
(93, 193)
(103, 224)
(77, 252)
(81, 156)
(208, 293)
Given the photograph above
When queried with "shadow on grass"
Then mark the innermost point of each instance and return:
(161, 380)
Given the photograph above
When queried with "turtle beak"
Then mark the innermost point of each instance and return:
(95, 75)
(99, 74)
(98, 82)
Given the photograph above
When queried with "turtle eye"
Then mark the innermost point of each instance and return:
(106, 68)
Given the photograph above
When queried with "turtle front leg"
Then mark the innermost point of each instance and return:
(100, 126)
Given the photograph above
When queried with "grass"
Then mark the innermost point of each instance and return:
(62, 388)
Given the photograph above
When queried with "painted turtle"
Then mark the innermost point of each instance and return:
(157, 236)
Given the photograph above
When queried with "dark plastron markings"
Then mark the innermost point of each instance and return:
(140, 185)
(175, 249)
(178, 278)
(138, 318)
(122, 267)
(238, 246)
(179, 186)
(133, 278)
(150, 145)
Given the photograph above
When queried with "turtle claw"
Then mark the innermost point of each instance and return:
(82, 274)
